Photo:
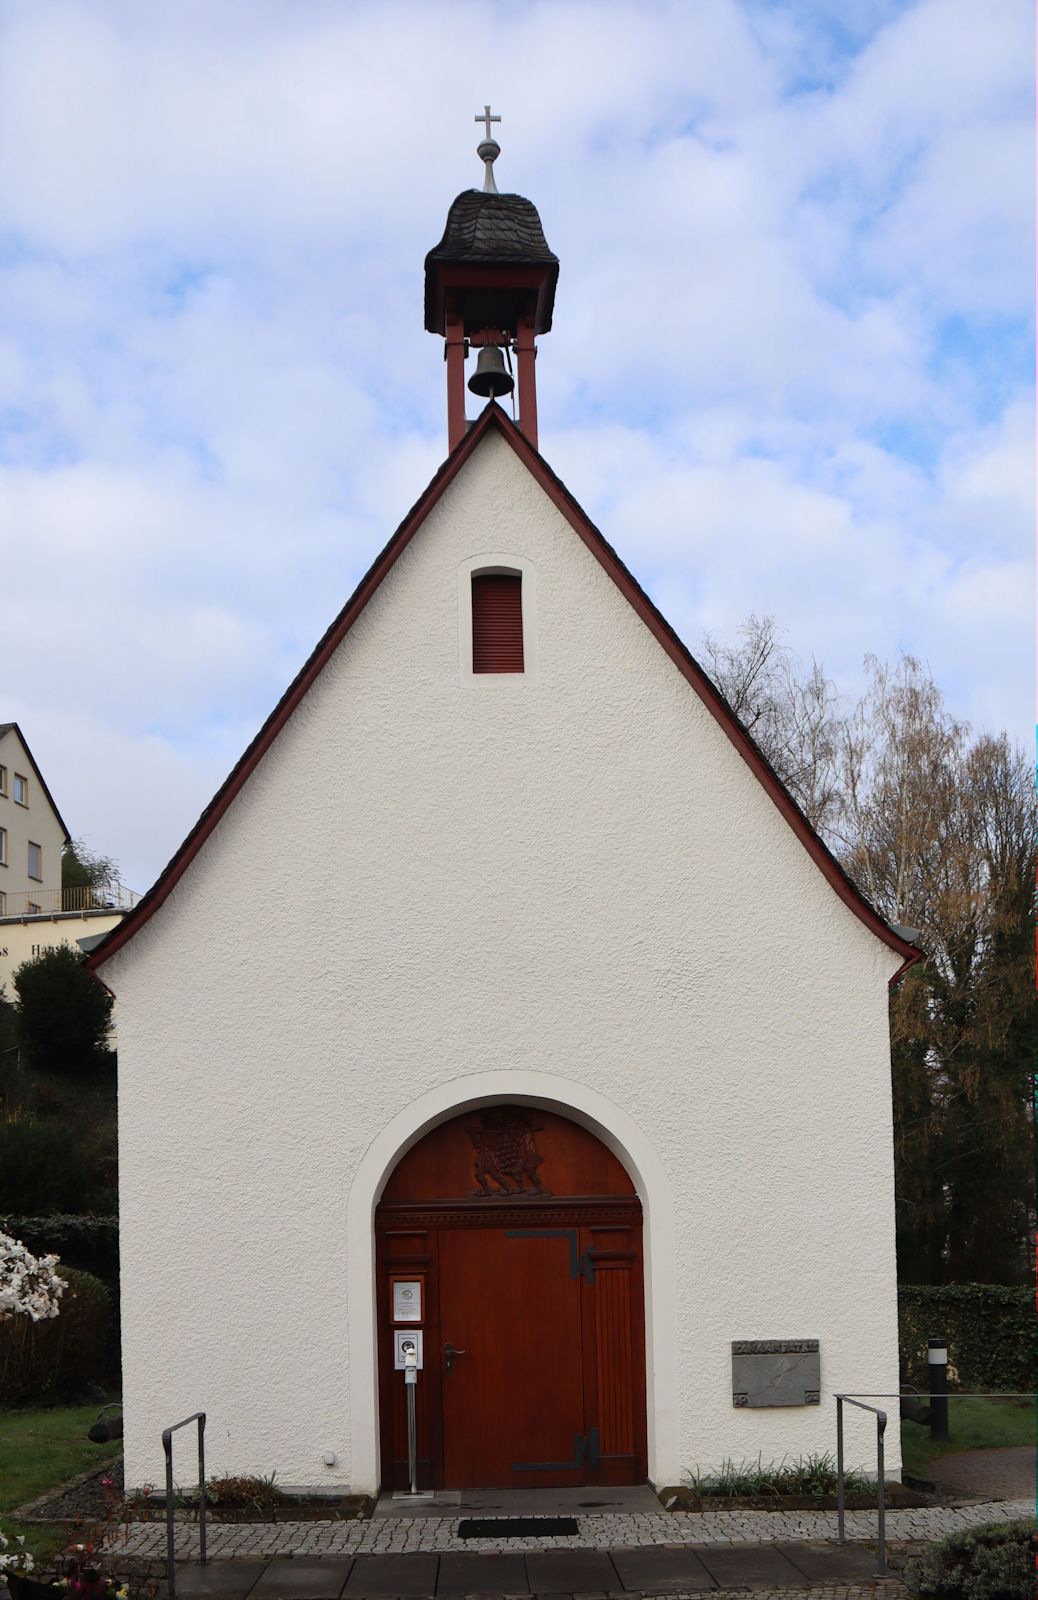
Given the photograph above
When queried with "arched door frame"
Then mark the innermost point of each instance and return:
(620, 1134)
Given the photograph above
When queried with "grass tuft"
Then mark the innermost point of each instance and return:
(804, 1475)
(973, 1424)
(39, 1451)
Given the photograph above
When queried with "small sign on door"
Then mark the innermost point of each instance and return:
(407, 1300)
(404, 1340)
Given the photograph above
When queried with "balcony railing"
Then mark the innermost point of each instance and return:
(46, 902)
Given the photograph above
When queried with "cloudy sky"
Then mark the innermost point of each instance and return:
(790, 371)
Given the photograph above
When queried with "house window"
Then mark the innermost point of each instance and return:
(497, 622)
(21, 790)
(3, 904)
(33, 909)
(3, 780)
(3, 847)
(35, 862)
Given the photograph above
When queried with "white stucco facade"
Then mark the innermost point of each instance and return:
(564, 888)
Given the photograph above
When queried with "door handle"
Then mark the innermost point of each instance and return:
(449, 1352)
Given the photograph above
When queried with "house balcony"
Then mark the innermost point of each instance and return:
(68, 902)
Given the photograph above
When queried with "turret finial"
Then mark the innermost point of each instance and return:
(488, 149)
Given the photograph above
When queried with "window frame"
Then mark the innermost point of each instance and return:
(20, 778)
(501, 562)
(3, 848)
(492, 613)
(3, 781)
(37, 877)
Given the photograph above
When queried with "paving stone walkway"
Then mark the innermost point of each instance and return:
(416, 1535)
(997, 1474)
(785, 1570)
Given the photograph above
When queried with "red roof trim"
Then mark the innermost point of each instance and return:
(494, 417)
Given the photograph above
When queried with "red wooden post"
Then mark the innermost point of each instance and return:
(455, 356)
(526, 355)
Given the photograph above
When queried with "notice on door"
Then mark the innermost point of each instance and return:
(405, 1342)
(407, 1300)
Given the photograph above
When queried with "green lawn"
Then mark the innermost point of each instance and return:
(973, 1424)
(39, 1450)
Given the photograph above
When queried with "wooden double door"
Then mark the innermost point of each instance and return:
(528, 1303)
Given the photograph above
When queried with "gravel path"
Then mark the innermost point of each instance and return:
(995, 1474)
(83, 1499)
(228, 1542)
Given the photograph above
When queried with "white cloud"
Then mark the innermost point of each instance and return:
(217, 399)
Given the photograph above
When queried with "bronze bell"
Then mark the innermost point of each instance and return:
(490, 377)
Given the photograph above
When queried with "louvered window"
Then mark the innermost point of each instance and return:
(497, 622)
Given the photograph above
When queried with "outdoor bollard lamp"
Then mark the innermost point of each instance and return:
(937, 1359)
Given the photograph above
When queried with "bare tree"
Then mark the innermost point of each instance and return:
(792, 714)
(938, 829)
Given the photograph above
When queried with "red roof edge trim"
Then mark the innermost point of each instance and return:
(173, 870)
(712, 698)
(716, 704)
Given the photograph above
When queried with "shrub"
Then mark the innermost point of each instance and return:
(62, 1358)
(993, 1562)
(17, 1560)
(8, 1024)
(49, 1166)
(990, 1333)
(65, 1017)
(29, 1286)
(90, 1243)
(240, 1491)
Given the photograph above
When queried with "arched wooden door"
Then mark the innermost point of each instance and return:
(510, 1240)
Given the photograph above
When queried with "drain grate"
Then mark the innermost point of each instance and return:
(516, 1527)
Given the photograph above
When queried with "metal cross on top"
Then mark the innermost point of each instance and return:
(486, 119)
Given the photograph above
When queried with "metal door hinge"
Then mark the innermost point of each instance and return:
(585, 1453)
(581, 1265)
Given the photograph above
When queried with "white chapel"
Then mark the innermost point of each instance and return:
(578, 1086)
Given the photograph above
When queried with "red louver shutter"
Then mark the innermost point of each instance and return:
(497, 622)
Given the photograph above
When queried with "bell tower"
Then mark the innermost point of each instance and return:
(490, 286)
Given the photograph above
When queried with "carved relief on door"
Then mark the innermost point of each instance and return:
(507, 1156)
(507, 1152)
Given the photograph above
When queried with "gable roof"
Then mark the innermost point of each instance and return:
(12, 727)
(494, 419)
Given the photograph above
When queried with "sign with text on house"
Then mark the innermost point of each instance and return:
(775, 1372)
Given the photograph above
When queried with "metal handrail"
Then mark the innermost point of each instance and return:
(881, 1425)
(50, 902)
(167, 1445)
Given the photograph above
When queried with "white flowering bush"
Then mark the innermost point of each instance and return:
(19, 1560)
(29, 1285)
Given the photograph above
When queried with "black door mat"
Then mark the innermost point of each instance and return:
(516, 1527)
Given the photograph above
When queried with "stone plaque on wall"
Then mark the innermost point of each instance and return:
(775, 1372)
